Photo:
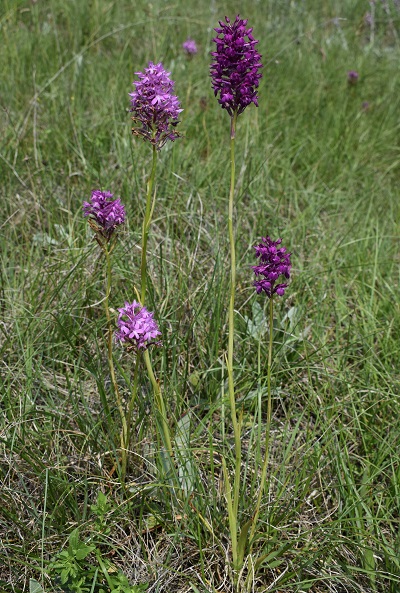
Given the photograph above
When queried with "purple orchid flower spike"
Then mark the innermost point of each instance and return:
(136, 326)
(352, 77)
(154, 106)
(274, 262)
(235, 71)
(105, 214)
(190, 46)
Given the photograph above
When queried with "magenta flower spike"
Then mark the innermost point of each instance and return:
(105, 214)
(154, 106)
(352, 76)
(136, 326)
(190, 46)
(235, 70)
(274, 262)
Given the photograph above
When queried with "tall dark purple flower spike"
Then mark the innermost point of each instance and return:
(235, 76)
(154, 106)
(235, 70)
(274, 262)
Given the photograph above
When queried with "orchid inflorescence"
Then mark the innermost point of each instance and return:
(136, 326)
(235, 71)
(154, 106)
(190, 46)
(352, 76)
(104, 213)
(274, 262)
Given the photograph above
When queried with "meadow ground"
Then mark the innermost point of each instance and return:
(318, 164)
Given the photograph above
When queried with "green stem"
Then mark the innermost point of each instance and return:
(231, 324)
(111, 361)
(231, 320)
(131, 404)
(160, 405)
(146, 227)
(268, 424)
(231, 331)
(259, 402)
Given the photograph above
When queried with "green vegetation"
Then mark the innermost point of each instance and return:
(318, 164)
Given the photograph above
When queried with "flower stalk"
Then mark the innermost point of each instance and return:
(231, 324)
(110, 360)
(268, 423)
(146, 226)
(131, 404)
(165, 431)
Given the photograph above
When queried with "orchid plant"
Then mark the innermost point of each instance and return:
(235, 74)
(105, 215)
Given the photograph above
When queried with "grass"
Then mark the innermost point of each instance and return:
(314, 167)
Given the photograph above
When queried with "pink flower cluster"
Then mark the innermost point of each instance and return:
(154, 106)
(105, 212)
(136, 326)
(190, 46)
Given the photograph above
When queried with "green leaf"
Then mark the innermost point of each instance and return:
(83, 551)
(101, 506)
(242, 541)
(186, 470)
(269, 557)
(73, 540)
(64, 575)
(256, 326)
(369, 562)
(35, 587)
(231, 514)
(77, 548)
